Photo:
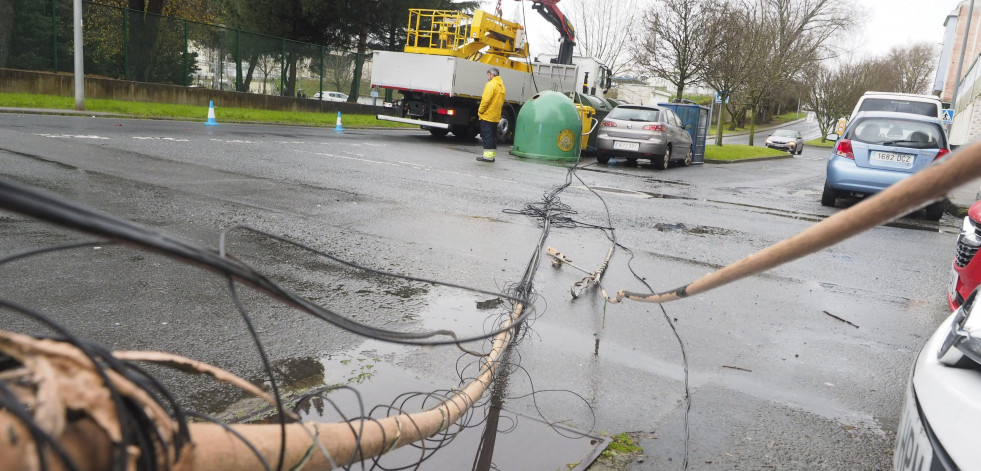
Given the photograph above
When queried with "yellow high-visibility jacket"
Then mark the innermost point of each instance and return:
(492, 100)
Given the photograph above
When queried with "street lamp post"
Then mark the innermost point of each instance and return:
(79, 69)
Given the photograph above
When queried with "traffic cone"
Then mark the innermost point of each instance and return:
(339, 128)
(211, 114)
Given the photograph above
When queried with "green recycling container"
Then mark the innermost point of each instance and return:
(548, 127)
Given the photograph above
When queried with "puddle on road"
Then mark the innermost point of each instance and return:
(493, 436)
(668, 182)
(697, 230)
(477, 441)
(639, 194)
(665, 196)
(491, 433)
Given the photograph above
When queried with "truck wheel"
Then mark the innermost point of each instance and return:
(439, 132)
(505, 127)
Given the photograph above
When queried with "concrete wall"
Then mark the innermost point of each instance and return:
(46, 83)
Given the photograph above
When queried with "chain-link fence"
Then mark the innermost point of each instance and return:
(132, 45)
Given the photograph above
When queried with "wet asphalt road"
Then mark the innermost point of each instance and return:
(776, 382)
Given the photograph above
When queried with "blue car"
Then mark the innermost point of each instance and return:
(882, 148)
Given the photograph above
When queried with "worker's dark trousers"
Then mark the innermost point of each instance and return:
(488, 134)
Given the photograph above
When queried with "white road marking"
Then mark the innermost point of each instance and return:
(235, 141)
(71, 136)
(149, 138)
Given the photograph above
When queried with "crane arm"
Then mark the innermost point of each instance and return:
(551, 12)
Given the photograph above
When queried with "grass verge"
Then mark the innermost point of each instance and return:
(188, 112)
(760, 128)
(817, 143)
(736, 152)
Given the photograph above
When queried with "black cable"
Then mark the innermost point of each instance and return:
(265, 364)
(684, 355)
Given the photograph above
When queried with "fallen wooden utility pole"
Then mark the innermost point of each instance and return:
(89, 443)
(899, 199)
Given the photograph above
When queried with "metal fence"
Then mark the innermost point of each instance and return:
(132, 45)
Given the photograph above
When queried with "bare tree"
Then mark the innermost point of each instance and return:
(676, 37)
(911, 67)
(266, 63)
(789, 35)
(726, 70)
(605, 40)
(833, 92)
(339, 70)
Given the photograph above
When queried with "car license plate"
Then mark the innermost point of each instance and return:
(913, 449)
(899, 160)
(620, 145)
(952, 284)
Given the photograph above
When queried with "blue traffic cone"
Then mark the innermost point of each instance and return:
(339, 128)
(211, 114)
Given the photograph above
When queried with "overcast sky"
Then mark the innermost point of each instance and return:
(903, 22)
(888, 23)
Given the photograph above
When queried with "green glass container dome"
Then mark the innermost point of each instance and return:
(548, 127)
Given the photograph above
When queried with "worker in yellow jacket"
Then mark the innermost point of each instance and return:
(489, 113)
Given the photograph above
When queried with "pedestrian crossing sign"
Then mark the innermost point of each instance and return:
(947, 116)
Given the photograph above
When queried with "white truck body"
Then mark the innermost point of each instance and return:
(456, 77)
(442, 93)
(595, 69)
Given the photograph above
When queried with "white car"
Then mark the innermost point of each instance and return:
(925, 105)
(938, 429)
(329, 96)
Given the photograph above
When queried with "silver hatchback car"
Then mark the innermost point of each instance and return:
(643, 132)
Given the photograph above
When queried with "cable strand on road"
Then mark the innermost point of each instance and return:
(560, 216)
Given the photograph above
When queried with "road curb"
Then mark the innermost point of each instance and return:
(751, 159)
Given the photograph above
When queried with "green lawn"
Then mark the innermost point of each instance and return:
(817, 143)
(787, 117)
(761, 129)
(732, 152)
(167, 110)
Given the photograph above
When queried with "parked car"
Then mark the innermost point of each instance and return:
(330, 96)
(943, 397)
(643, 132)
(924, 105)
(965, 273)
(882, 148)
(786, 139)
